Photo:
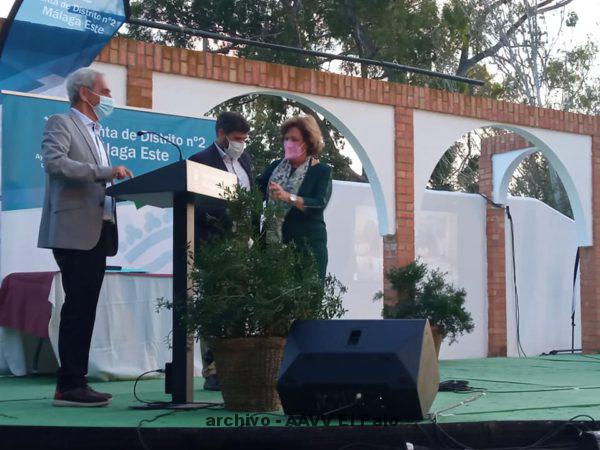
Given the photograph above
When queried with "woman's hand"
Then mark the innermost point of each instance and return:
(278, 193)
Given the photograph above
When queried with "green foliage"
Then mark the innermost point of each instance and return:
(405, 31)
(456, 170)
(569, 80)
(286, 22)
(266, 113)
(536, 178)
(572, 19)
(245, 286)
(423, 293)
(402, 31)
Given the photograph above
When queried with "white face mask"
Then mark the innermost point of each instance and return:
(105, 106)
(235, 149)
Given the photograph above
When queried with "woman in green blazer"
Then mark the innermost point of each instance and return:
(303, 186)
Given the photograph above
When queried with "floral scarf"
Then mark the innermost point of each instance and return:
(290, 182)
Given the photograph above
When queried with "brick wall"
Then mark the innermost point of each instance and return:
(590, 266)
(142, 59)
(496, 245)
(158, 58)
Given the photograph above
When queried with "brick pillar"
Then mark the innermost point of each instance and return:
(496, 245)
(399, 249)
(496, 266)
(590, 266)
(390, 259)
(139, 87)
(405, 198)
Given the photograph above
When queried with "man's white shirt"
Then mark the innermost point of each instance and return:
(234, 167)
(93, 129)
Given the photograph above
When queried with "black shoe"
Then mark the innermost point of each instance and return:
(101, 394)
(211, 383)
(79, 397)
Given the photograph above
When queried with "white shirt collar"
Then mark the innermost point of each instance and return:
(223, 154)
(85, 119)
(220, 150)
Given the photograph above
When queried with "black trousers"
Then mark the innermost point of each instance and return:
(82, 273)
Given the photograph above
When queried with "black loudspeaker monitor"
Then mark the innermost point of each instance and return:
(368, 368)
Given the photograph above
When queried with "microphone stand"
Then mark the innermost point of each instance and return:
(143, 132)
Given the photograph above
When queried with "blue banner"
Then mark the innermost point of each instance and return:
(23, 122)
(44, 40)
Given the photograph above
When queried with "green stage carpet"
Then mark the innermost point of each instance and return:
(539, 388)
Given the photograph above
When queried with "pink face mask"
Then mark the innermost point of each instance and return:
(293, 150)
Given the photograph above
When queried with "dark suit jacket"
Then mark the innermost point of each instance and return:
(316, 191)
(306, 226)
(209, 220)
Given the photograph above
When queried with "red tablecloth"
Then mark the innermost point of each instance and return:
(24, 303)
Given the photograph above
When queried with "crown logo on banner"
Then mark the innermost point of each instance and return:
(146, 244)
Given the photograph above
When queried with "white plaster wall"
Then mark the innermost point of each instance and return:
(355, 247)
(369, 128)
(545, 247)
(450, 235)
(570, 155)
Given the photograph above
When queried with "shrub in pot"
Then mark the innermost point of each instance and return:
(420, 292)
(247, 291)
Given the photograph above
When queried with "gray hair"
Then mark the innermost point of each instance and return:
(84, 77)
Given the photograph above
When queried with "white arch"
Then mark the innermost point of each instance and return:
(369, 128)
(503, 167)
(570, 155)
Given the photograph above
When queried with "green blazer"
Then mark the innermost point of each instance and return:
(308, 225)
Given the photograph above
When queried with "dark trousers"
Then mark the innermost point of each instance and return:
(82, 273)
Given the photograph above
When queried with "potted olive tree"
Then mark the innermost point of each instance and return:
(247, 291)
(420, 292)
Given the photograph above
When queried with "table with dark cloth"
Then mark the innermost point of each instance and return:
(130, 336)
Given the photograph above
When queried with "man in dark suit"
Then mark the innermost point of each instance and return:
(226, 153)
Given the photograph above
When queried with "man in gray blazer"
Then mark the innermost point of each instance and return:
(79, 224)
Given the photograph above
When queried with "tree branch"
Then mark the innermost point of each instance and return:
(541, 8)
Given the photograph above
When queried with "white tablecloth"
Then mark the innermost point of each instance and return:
(12, 352)
(130, 336)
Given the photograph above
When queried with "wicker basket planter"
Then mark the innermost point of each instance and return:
(248, 370)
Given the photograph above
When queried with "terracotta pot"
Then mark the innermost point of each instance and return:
(437, 339)
(247, 369)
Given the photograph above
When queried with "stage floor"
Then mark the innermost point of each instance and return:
(513, 401)
(548, 388)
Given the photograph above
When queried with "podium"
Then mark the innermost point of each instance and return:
(179, 185)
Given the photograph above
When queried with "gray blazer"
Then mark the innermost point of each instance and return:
(75, 188)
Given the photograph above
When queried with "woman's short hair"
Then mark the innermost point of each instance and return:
(310, 131)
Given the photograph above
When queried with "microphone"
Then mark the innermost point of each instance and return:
(143, 132)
